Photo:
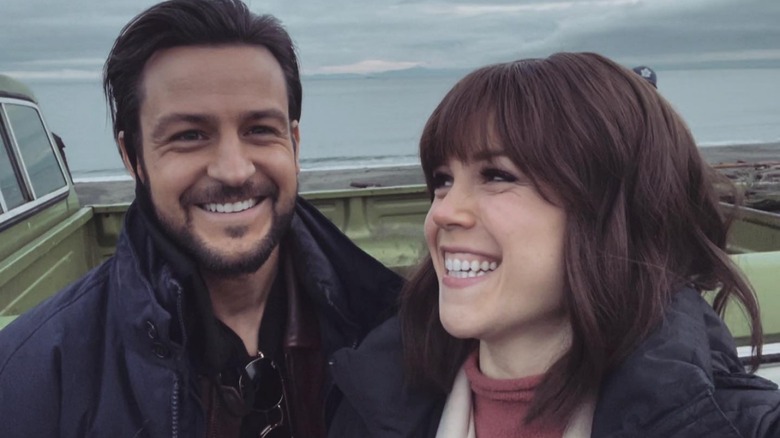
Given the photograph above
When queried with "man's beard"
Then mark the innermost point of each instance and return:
(212, 260)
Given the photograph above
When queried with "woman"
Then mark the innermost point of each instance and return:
(572, 233)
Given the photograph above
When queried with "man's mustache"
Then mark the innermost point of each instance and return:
(220, 193)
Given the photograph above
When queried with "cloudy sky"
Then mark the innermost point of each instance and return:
(70, 39)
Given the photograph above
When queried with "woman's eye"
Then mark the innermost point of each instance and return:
(497, 175)
(441, 180)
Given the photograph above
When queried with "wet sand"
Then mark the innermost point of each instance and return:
(751, 153)
(112, 192)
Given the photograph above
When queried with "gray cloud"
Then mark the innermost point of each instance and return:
(51, 36)
(680, 30)
(42, 35)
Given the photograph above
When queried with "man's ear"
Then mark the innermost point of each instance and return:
(295, 134)
(120, 139)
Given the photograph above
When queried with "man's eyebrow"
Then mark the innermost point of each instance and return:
(274, 114)
(271, 113)
(164, 122)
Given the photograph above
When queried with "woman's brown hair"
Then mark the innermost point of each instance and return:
(643, 217)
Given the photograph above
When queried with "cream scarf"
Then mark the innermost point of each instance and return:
(457, 420)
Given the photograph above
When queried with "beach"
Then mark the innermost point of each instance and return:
(113, 192)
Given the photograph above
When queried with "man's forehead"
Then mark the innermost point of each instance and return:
(253, 61)
(190, 72)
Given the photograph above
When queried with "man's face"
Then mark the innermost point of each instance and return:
(220, 155)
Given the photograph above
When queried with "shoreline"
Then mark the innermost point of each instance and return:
(120, 189)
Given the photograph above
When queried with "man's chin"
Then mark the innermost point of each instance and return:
(234, 263)
(219, 258)
(250, 259)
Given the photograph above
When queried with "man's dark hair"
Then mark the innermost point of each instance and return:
(176, 23)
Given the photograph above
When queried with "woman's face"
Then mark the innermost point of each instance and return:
(497, 248)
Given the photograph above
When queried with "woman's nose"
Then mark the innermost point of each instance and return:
(456, 208)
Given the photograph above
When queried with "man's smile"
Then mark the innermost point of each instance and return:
(232, 207)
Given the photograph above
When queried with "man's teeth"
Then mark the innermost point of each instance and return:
(230, 208)
(466, 269)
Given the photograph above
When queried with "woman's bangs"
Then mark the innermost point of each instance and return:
(461, 127)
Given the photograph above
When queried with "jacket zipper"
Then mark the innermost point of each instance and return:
(175, 399)
(175, 407)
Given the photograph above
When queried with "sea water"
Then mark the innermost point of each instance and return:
(374, 121)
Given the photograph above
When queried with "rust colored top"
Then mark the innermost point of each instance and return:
(500, 405)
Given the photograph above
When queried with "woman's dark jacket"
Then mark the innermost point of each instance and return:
(684, 380)
(107, 356)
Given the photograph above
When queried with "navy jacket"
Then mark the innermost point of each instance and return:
(684, 381)
(100, 358)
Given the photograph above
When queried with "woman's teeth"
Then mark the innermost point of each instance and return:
(465, 269)
(234, 207)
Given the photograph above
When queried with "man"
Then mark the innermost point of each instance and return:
(227, 293)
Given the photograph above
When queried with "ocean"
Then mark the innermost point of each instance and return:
(376, 121)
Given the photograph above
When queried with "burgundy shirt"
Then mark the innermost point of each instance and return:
(500, 405)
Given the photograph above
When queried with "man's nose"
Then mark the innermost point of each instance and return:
(231, 165)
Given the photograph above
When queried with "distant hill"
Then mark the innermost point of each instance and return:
(404, 73)
(433, 72)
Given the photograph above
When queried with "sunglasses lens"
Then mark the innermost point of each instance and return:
(277, 432)
(267, 382)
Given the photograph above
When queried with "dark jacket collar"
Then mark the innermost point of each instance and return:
(371, 379)
(673, 375)
(210, 345)
(351, 291)
(347, 285)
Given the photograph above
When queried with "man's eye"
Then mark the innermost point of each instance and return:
(188, 136)
(261, 130)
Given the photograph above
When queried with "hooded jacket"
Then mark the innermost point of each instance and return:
(685, 381)
(107, 356)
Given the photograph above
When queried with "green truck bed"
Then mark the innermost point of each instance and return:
(386, 222)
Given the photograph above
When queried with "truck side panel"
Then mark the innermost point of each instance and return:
(385, 222)
(47, 264)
